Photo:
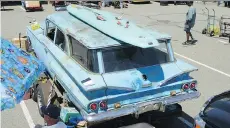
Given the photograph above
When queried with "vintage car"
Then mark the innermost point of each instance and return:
(105, 78)
(215, 113)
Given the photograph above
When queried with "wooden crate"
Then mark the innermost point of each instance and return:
(16, 42)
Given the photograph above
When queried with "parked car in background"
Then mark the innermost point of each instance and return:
(215, 112)
(32, 5)
(59, 5)
(165, 3)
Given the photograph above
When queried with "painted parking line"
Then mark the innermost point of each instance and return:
(27, 115)
(22, 8)
(204, 65)
(224, 42)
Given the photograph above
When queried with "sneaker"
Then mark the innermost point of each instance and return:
(193, 41)
(185, 43)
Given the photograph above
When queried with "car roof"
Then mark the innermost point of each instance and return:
(85, 34)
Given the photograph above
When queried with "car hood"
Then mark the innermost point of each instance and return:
(156, 76)
(218, 117)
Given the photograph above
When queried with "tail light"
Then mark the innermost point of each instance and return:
(185, 87)
(103, 104)
(93, 106)
(192, 85)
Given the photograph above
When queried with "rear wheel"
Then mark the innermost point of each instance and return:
(204, 31)
(42, 93)
(174, 108)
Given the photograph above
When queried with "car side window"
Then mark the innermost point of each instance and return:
(86, 57)
(60, 40)
(50, 30)
(79, 52)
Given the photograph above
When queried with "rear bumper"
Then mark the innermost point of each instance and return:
(139, 108)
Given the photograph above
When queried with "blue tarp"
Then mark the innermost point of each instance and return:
(19, 70)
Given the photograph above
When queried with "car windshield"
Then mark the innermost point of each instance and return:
(129, 57)
(217, 112)
(221, 102)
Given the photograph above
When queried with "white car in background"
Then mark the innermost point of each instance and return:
(32, 5)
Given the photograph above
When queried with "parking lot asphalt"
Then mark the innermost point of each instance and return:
(211, 55)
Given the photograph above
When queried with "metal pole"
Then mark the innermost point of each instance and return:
(20, 40)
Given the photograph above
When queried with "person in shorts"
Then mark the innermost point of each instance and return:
(190, 22)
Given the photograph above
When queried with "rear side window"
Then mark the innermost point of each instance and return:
(86, 57)
(50, 30)
(60, 40)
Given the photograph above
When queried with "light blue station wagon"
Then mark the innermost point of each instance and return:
(106, 78)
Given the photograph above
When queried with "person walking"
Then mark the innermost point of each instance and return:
(190, 22)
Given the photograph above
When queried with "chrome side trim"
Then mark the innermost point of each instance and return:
(174, 76)
(139, 108)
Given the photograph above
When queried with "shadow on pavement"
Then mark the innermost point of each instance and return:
(144, 2)
(10, 3)
(7, 9)
(181, 120)
(174, 116)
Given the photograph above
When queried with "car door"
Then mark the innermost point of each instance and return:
(47, 40)
(57, 50)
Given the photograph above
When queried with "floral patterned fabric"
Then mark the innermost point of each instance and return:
(19, 70)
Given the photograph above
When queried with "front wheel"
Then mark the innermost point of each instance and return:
(40, 99)
(34, 93)
(43, 92)
(204, 31)
(212, 33)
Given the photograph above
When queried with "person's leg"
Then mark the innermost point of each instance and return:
(121, 4)
(218, 3)
(187, 38)
(190, 34)
(186, 29)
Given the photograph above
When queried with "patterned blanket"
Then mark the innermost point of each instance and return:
(19, 70)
